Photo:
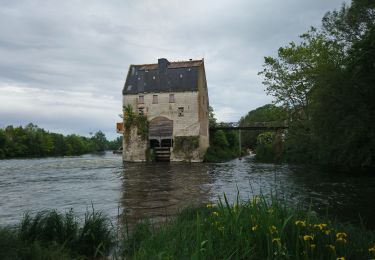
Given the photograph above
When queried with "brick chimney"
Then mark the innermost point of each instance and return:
(163, 63)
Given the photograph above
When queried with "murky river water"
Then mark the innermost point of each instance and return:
(159, 190)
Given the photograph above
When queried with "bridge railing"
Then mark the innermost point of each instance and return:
(265, 126)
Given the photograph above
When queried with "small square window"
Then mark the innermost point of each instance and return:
(141, 111)
(141, 100)
(171, 98)
(180, 111)
(154, 99)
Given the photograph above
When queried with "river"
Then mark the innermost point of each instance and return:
(156, 191)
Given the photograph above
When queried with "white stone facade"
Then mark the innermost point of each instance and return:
(176, 94)
(188, 124)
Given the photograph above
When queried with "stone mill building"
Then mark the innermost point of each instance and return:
(165, 112)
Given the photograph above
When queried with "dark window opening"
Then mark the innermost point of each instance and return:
(141, 100)
(141, 111)
(171, 98)
(154, 143)
(180, 111)
(167, 143)
(154, 99)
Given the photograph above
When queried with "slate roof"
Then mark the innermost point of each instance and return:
(163, 76)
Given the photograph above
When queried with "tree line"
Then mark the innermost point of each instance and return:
(325, 85)
(33, 141)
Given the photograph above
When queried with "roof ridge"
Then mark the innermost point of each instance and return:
(180, 61)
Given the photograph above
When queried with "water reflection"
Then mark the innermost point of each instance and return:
(159, 190)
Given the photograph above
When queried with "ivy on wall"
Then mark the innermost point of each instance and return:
(186, 144)
(131, 119)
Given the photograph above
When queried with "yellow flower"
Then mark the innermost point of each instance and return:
(320, 226)
(256, 199)
(276, 239)
(313, 246)
(308, 237)
(210, 205)
(372, 249)
(340, 239)
(340, 258)
(341, 235)
(300, 223)
(327, 232)
(254, 228)
(215, 213)
(332, 247)
(273, 229)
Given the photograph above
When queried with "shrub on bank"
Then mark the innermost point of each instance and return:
(223, 147)
(52, 235)
(257, 229)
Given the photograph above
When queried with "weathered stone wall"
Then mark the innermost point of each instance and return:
(185, 125)
(134, 147)
(203, 103)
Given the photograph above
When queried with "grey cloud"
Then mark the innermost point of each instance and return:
(77, 46)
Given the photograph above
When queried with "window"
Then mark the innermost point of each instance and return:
(141, 111)
(141, 100)
(154, 99)
(180, 111)
(171, 98)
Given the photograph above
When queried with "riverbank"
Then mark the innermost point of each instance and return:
(257, 229)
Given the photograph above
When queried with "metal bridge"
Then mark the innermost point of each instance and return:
(257, 126)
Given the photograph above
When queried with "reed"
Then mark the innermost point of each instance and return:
(53, 235)
(260, 228)
(257, 229)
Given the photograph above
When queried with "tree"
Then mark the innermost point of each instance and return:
(100, 141)
(291, 77)
(212, 121)
(273, 115)
(327, 84)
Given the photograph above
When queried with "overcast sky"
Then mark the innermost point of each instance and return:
(63, 63)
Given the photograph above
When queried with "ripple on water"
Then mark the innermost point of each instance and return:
(159, 190)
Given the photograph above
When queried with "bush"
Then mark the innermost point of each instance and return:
(52, 235)
(223, 147)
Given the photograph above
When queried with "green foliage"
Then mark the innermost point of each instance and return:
(52, 235)
(128, 116)
(32, 141)
(99, 141)
(326, 84)
(223, 146)
(270, 114)
(185, 144)
(142, 126)
(131, 119)
(212, 121)
(264, 147)
(115, 144)
(261, 228)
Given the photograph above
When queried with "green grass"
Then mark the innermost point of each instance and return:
(257, 229)
(52, 235)
(261, 228)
